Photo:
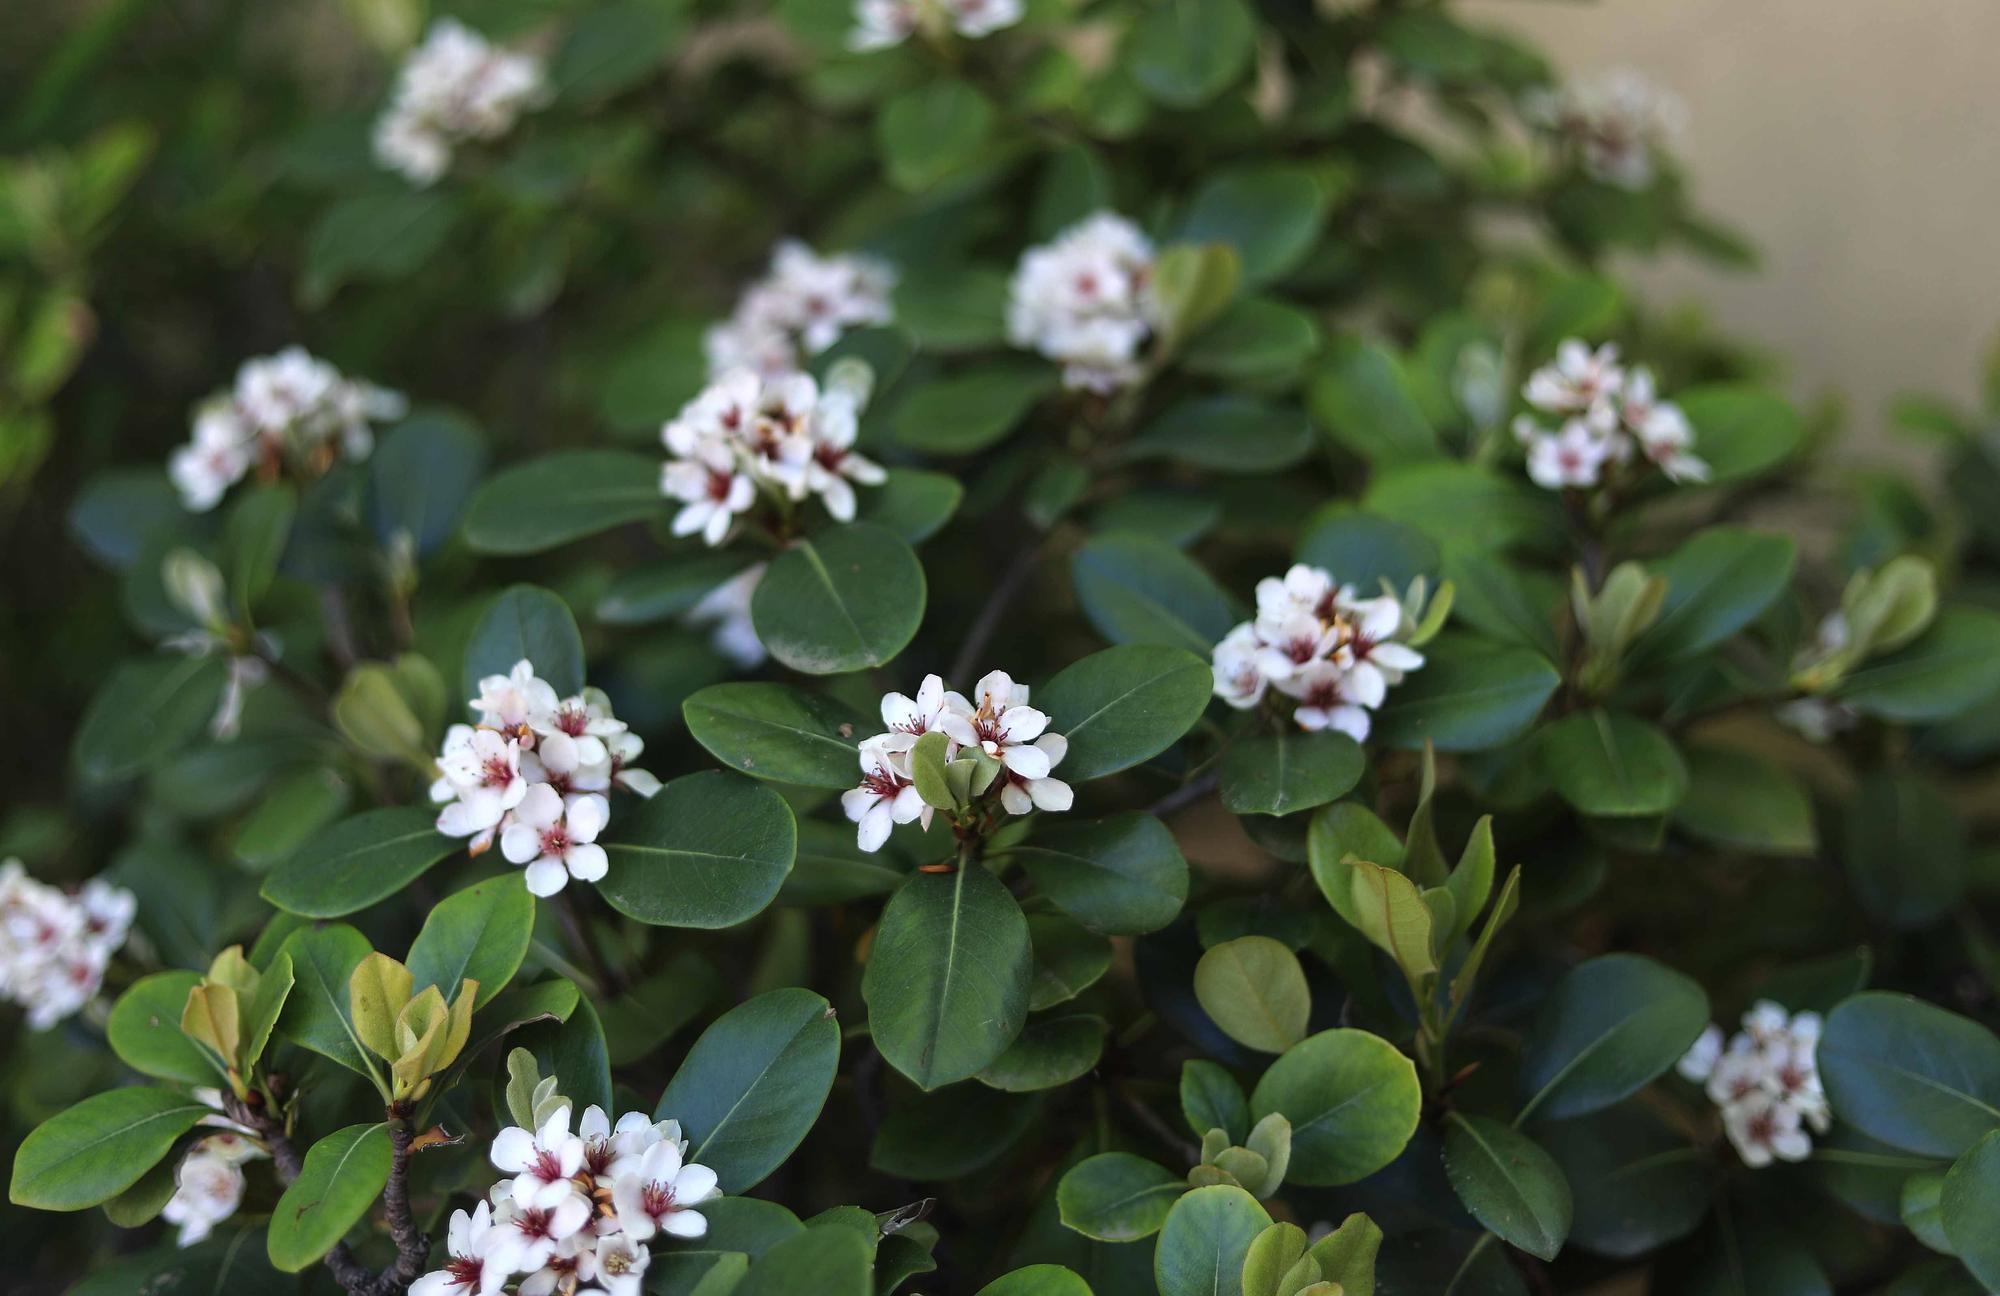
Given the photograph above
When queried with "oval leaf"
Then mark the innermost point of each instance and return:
(562, 497)
(343, 1175)
(841, 600)
(1353, 1101)
(787, 735)
(1280, 773)
(1135, 589)
(1118, 1197)
(97, 1149)
(1203, 1242)
(480, 933)
(1254, 989)
(1612, 764)
(526, 623)
(1911, 1074)
(147, 711)
(709, 850)
(1508, 1183)
(1121, 876)
(1608, 1027)
(1471, 695)
(1124, 705)
(357, 862)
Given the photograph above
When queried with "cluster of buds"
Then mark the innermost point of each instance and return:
(1609, 417)
(880, 24)
(946, 752)
(290, 410)
(536, 772)
(455, 88)
(582, 1210)
(1766, 1081)
(1317, 642)
(1616, 124)
(799, 309)
(55, 945)
(1087, 300)
(781, 440)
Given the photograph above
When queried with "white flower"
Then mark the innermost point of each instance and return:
(910, 718)
(1021, 793)
(1086, 300)
(543, 1162)
(214, 460)
(1615, 123)
(806, 302)
(454, 88)
(516, 702)
(1664, 434)
(659, 1194)
(557, 841)
(617, 1266)
(1239, 680)
(208, 1189)
(711, 485)
(530, 1236)
(1817, 720)
(1766, 1081)
(54, 947)
(975, 18)
(1762, 1127)
(1573, 457)
(1698, 1063)
(1324, 702)
(885, 798)
(1581, 383)
(479, 781)
(834, 464)
(481, 1261)
(879, 24)
(726, 610)
(576, 731)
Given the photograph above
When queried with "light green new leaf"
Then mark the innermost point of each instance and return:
(1255, 990)
(1118, 1197)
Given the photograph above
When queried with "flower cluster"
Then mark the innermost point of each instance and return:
(784, 438)
(1766, 1081)
(1608, 415)
(287, 408)
(879, 24)
(1318, 642)
(1086, 299)
(454, 88)
(800, 309)
(54, 946)
(536, 771)
(995, 730)
(208, 1187)
(581, 1211)
(1616, 124)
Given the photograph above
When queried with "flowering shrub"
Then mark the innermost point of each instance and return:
(1381, 692)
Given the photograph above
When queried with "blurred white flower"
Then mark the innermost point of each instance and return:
(1766, 1081)
(800, 308)
(557, 840)
(880, 24)
(1616, 124)
(1086, 300)
(1609, 416)
(454, 88)
(55, 946)
(208, 1185)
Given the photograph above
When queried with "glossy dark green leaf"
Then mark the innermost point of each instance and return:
(343, 1175)
(145, 1031)
(1741, 800)
(927, 133)
(1118, 1197)
(1050, 1051)
(526, 623)
(841, 600)
(1742, 431)
(1353, 1101)
(950, 1133)
(1363, 550)
(254, 538)
(659, 591)
(575, 1053)
(1211, 1099)
(1471, 695)
(971, 411)
(1911, 1074)
(753, 1084)
(1637, 1183)
(1271, 215)
(559, 498)
(146, 712)
(1069, 959)
(1186, 53)
(1968, 1206)
(948, 975)
(1905, 849)
(913, 503)
(1717, 583)
(289, 817)
(480, 933)
(1607, 1028)
(1505, 602)
(1255, 338)
(1508, 1183)
(97, 1149)
(709, 850)
(776, 732)
(360, 860)
(421, 477)
(1120, 876)
(824, 1261)
(1289, 770)
(1226, 434)
(1140, 590)
(1122, 706)
(317, 1015)
(1950, 667)
(1612, 764)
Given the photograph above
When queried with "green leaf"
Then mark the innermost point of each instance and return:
(1363, 550)
(97, 1149)
(526, 623)
(1232, 434)
(844, 599)
(1471, 695)
(754, 1083)
(1951, 666)
(317, 1016)
(927, 133)
(1192, 284)
(574, 1052)
(950, 1133)
(421, 476)
(145, 1031)
(1255, 338)
(1362, 397)
(615, 46)
(374, 237)
(824, 1261)
(947, 977)
(1050, 1051)
(1135, 589)
(1068, 960)
(360, 860)
(1717, 583)
(1607, 1028)
(1911, 1074)
(954, 308)
(1905, 849)
(1969, 1205)
(1271, 215)
(146, 712)
(1255, 990)
(709, 850)
(1464, 506)
(1121, 876)
(1287, 771)
(343, 1175)
(1637, 1182)
(1353, 1101)
(971, 411)
(1921, 1205)
(776, 732)
(659, 591)
(563, 497)
(1211, 1099)
(1189, 51)
(1741, 800)
(1612, 764)
(1347, 1256)
(289, 817)
(253, 539)
(913, 503)
(1203, 1242)
(1508, 1183)
(1740, 430)
(480, 933)
(1037, 1280)
(1505, 602)
(1117, 1197)
(1396, 917)
(1342, 830)
(1123, 705)
(260, 1015)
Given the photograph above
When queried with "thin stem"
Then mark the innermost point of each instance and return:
(413, 1247)
(339, 628)
(1184, 796)
(997, 603)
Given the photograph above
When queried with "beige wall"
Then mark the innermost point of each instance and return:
(1857, 144)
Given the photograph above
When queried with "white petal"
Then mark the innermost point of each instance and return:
(1028, 762)
(587, 817)
(587, 863)
(546, 876)
(875, 826)
(685, 1224)
(520, 843)
(1051, 794)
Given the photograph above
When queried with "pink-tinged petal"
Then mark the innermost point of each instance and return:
(520, 843)
(685, 1224)
(1051, 794)
(513, 1150)
(547, 876)
(1023, 724)
(587, 863)
(875, 826)
(1028, 762)
(587, 817)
